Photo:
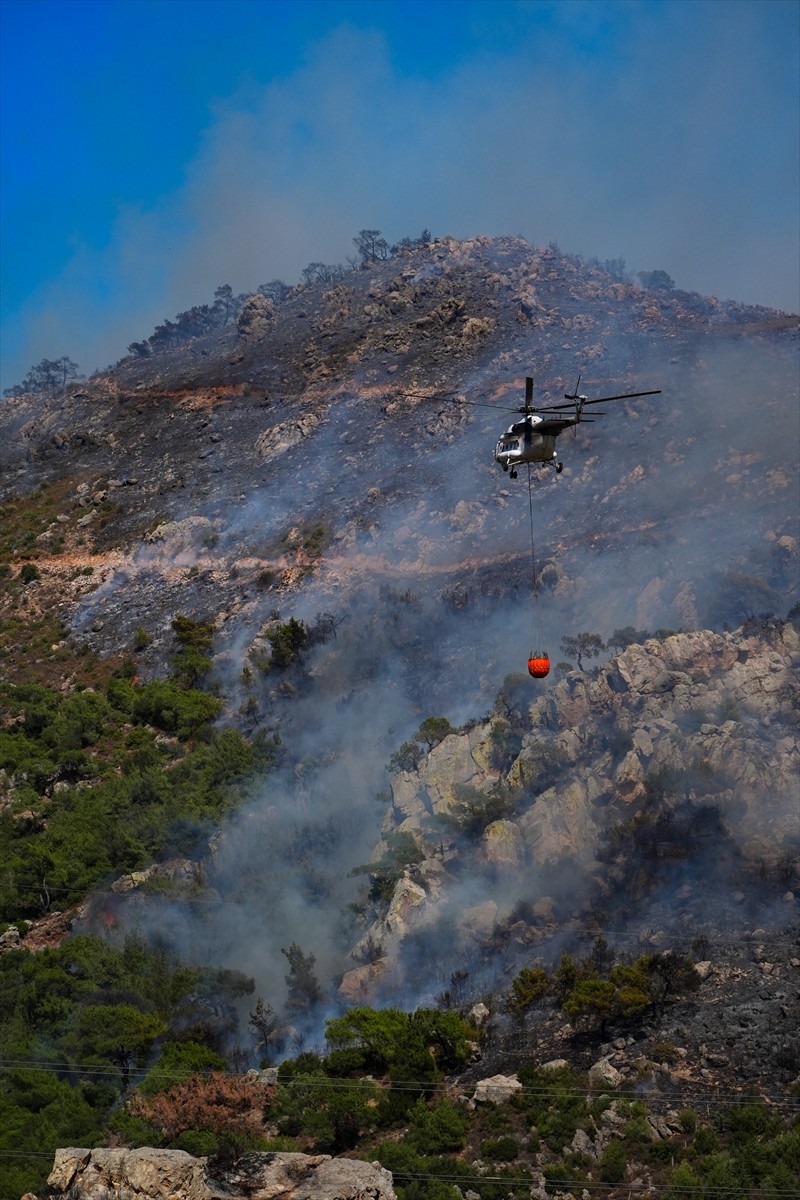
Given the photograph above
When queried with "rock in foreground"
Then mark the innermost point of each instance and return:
(147, 1174)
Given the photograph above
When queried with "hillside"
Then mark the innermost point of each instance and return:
(272, 552)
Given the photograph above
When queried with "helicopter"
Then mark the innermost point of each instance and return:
(533, 439)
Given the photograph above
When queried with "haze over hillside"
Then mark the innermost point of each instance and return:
(267, 610)
(318, 458)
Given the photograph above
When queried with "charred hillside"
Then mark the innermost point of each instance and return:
(266, 615)
(340, 407)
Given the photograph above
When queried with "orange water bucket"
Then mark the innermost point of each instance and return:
(538, 666)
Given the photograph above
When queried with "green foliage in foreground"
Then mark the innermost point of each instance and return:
(377, 1092)
(78, 1026)
(330, 1104)
(93, 798)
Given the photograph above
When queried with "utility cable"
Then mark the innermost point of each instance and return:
(649, 1188)
(720, 1099)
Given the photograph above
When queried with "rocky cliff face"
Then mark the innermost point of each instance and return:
(667, 777)
(155, 1174)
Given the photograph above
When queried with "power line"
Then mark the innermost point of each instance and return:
(590, 1185)
(648, 1188)
(719, 1099)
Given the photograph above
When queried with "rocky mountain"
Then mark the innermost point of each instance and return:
(668, 778)
(312, 488)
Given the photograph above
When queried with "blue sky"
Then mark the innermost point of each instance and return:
(153, 149)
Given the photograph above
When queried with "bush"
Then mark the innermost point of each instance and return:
(178, 1062)
(407, 758)
(661, 1152)
(141, 639)
(439, 1129)
(705, 1141)
(420, 1177)
(288, 641)
(556, 1176)
(174, 709)
(504, 1149)
(28, 572)
(613, 1162)
(506, 744)
(473, 809)
(333, 1118)
(684, 1183)
(199, 1142)
(191, 663)
(228, 1106)
(528, 987)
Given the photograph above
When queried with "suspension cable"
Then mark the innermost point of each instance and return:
(533, 547)
(536, 624)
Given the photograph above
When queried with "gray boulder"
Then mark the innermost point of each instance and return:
(147, 1174)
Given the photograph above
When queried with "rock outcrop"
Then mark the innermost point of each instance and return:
(673, 746)
(255, 318)
(147, 1174)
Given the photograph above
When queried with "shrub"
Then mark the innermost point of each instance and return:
(198, 1142)
(661, 1152)
(288, 641)
(613, 1162)
(684, 1183)
(504, 1149)
(439, 1129)
(194, 638)
(750, 1120)
(433, 730)
(407, 758)
(171, 708)
(663, 1052)
(334, 1118)
(178, 1062)
(402, 850)
(705, 1141)
(556, 1175)
(506, 744)
(28, 572)
(528, 987)
(473, 809)
(141, 639)
(221, 1103)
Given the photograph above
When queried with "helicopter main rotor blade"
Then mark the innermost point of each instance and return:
(497, 407)
(576, 400)
(624, 396)
(442, 397)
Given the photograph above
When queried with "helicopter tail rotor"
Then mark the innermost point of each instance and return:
(579, 402)
(574, 395)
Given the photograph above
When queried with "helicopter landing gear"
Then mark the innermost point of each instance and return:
(559, 468)
(513, 473)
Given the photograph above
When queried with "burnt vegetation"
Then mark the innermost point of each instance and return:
(143, 712)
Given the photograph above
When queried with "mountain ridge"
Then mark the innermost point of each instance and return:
(313, 473)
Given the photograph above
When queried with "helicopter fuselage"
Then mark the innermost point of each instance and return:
(531, 440)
